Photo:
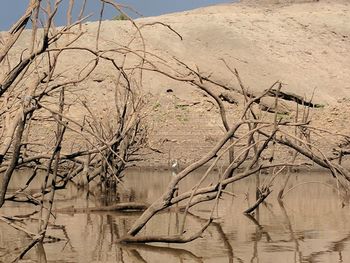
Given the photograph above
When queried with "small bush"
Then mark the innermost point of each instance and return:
(120, 17)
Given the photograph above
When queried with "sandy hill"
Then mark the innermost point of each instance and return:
(306, 45)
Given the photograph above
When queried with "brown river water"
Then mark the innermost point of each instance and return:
(310, 226)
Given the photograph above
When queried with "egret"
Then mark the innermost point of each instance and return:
(174, 167)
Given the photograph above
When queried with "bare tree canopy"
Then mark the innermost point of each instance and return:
(56, 125)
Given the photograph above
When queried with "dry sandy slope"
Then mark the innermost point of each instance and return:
(304, 45)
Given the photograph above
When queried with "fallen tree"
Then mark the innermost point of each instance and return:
(105, 144)
(252, 143)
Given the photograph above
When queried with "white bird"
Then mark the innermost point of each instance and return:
(174, 167)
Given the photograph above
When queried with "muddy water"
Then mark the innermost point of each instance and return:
(310, 225)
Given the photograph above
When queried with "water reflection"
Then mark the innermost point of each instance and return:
(308, 226)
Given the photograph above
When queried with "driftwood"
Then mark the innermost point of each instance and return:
(285, 95)
(261, 197)
(180, 238)
(259, 136)
(228, 96)
(120, 207)
(111, 144)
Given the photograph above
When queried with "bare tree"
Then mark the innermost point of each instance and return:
(255, 138)
(34, 89)
(33, 95)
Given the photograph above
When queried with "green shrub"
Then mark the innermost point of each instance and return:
(120, 17)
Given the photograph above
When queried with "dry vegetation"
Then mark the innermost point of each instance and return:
(47, 123)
